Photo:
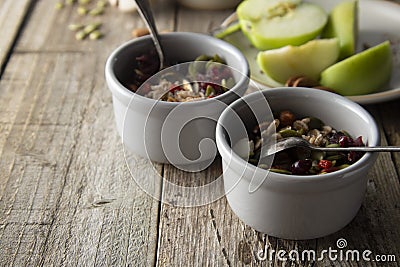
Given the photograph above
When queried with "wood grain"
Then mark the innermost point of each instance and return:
(66, 195)
(12, 14)
(70, 195)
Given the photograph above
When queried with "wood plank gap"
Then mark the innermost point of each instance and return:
(218, 236)
(56, 51)
(18, 33)
(159, 217)
(387, 130)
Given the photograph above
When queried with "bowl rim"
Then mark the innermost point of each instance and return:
(120, 89)
(225, 148)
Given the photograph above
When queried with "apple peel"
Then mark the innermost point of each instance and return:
(309, 59)
(362, 73)
(270, 24)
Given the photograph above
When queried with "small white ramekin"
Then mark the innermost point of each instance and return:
(171, 132)
(293, 206)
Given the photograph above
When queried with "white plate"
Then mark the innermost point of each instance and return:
(379, 20)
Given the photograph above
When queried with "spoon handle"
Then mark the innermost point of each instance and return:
(145, 12)
(361, 149)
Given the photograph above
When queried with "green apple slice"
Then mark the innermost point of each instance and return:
(270, 24)
(362, 73)
(309, 59)
(343, 24)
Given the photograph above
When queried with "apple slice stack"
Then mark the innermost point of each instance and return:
(286, 33)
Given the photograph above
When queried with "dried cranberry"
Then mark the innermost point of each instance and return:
(325, 164)
(358, 141)
(334, 138)
(301, 167)
(353, 156)
(345, 141)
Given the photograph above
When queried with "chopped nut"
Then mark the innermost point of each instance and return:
(300, 126)
(286, 118)
(304, 82)
(291, 80)
(326, 129)
(138, 32)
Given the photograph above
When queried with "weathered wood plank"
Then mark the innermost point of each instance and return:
(54, 34)
(12, 14)
(63, 171)
(389, 117)
(61, 156)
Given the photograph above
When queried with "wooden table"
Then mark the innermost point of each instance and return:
(66, 194)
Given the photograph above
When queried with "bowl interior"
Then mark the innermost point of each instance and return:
(179, 47)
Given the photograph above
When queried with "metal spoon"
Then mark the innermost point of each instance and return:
(145, 12)
(300, 142)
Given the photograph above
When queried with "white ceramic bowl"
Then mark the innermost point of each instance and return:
(291, 206)
(171, 132)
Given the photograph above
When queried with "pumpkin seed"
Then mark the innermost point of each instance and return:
(75, 27)
(91, 27)
(96, 34)
(203, 58)
(69, 2)
(335, 157)
(82, 10)
(343, 166)
(333, 145)
(317, 155)
(217, 58)
(315, 123)
(80, 35)
(209, 90)
(101, 3)
(289, 133)
(96, 11)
